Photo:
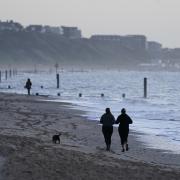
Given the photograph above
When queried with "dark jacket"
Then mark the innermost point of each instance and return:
(107, 119)
(124, 120)
(28, 84)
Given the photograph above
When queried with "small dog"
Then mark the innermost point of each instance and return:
(56, 138)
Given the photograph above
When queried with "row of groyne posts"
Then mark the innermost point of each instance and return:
(7, 74)
(13, 72)
(102, 95)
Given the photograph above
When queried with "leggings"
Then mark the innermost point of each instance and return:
(123, 133)
(107, 132)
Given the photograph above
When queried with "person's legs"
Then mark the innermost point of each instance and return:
(109, 134)
(122, 142)
(105, 133)
(28, 91)
(122, 139)
(127, 147)
(126, 141)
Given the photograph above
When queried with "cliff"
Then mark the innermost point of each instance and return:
(30, 48)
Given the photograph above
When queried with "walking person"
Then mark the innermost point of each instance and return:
(124, 120)
(28, 85)
(107, 120)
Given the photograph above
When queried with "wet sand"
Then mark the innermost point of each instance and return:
(27, 124)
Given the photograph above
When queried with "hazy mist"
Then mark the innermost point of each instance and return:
(157, 19)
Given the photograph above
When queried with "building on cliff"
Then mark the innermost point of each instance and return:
(10, 26)
(134, 42)
(71, 32)
(153, 46)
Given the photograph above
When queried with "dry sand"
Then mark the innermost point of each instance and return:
(27, 124)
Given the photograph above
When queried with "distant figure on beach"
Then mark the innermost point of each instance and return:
(107, 120)
(28, 85)
(124, 120)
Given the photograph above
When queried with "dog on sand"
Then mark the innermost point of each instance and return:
(56, 138)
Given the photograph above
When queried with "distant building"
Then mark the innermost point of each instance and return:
(171, 53)
(129, 41)
(153, 46)
(138, 42)
(71, 32)
(10, 26)
(35, 28)
(55, 30)
(106, 37)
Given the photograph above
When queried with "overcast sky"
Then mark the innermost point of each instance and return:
(159, 20)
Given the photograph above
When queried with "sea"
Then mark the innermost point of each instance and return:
(156, 119)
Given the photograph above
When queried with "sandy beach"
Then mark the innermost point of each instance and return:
(27, 124)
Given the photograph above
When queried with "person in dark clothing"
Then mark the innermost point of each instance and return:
(28, 85)
(107, 120)
(124, 120)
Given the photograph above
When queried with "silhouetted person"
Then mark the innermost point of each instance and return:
(124, 120)
(28, 85)
(107, 120)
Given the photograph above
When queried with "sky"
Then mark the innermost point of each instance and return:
(159, 20)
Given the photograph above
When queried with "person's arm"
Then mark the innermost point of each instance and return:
(130, 120)
(113, 120)
(118, 120)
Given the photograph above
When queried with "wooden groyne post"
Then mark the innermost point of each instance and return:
(123, 95)
(57, 77)
(145, 87)
(6, 74)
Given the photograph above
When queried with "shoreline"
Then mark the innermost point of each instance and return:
(152, 139)
(27, 124)
(156, 109)
(138, 138)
